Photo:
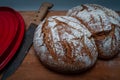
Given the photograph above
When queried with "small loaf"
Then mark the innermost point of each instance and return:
(65, 45)
(104, 25)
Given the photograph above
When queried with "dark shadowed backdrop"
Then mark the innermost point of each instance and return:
(23, 5)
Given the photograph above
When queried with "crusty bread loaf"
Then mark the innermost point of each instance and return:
(65, 45)
(104, 25)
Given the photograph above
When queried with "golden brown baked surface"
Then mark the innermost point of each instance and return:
(104, 25)
(65, 45)
(71, 43)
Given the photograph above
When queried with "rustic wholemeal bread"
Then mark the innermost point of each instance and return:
(104, 25)
(65, 45)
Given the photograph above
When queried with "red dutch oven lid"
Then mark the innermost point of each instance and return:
(11, 34)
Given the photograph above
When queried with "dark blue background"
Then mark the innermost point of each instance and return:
(58, 4)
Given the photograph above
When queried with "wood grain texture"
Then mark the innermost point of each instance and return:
(32, 69)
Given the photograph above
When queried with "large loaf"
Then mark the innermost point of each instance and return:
(72, 43)
(64, 44)
(104, 25)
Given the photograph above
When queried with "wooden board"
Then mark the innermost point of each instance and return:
(32, 69)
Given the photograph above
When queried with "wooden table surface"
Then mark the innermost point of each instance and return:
(32, 69)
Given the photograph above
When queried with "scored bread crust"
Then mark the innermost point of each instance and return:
(64, 44)
(104, 25)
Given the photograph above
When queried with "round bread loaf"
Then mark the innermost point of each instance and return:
(104, 25)
(65, 45)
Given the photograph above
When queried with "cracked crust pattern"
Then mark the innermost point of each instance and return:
(65, 45)
(104, 25)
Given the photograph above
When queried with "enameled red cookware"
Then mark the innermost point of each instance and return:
(11, 34)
